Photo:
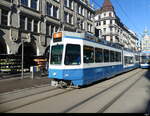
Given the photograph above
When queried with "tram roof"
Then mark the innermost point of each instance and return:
(91, 37)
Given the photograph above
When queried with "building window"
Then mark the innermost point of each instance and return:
(71, 4)
(110, 14)
(49, 9)
(35, 26)
(111, 29)
(111, 38)
(56, 29)
(68, 4)
(110, 22)
(52, 11)
(104, 30)
(104, 22)
(82, 11)
(65, 16)
(4, 17)
(52, 29)
(82, 25)
(99, 16)
(97, 24)
(55, 12)
(65, 3)
(34, 4)
(47, 29)
(70, 19)
(22, 22)
(89, 27)
(29, 26)
(79, 9)
(24, 2)
(89, 15)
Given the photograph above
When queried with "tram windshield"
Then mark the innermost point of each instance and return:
(56, 54)
(145, 59)
(73, 54)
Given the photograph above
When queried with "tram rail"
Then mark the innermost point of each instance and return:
(103, 91)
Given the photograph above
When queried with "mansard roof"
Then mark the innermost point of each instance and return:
(107, 6)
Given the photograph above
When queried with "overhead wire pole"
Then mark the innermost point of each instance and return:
(22, 68)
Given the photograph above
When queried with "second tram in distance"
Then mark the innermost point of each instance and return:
(145, 59)
(78, 59)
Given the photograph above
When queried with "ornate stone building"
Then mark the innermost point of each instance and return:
(34, 21)
(112, 29)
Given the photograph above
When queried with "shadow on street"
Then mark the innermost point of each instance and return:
(147, 75)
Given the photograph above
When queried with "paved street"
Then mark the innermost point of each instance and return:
(16, 82)
(125, 93)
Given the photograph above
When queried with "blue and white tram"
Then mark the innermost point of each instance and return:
(77, 59)
(130, 60)
(145, 59)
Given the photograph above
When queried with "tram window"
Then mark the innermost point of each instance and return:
(56, 54)
(98, 55)
(145, 59)
(106, 55)
(112, 56)
(131, 61)
(73, 54)
(137, 57)
(88, 54)
(118, 56)
(128, 60)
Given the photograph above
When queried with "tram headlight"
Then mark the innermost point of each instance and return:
(54, 74)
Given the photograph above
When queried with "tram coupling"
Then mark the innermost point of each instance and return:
(59, 84)
(63, 84)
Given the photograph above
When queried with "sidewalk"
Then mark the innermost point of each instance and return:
(16, 83)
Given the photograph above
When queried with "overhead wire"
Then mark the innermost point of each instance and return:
(95, 3)
(127, 16)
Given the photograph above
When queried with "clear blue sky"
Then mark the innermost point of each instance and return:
(135, 14)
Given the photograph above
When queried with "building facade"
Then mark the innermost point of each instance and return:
(34, 22)
(110, 28)
(145, 42)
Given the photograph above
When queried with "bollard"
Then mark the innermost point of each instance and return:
(32, 72)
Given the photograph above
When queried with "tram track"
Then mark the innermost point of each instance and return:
(102, 110)
(103, 91)
(62, 91)
(2, 102)
(24, 90)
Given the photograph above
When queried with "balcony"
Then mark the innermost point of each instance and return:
(110, 33)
